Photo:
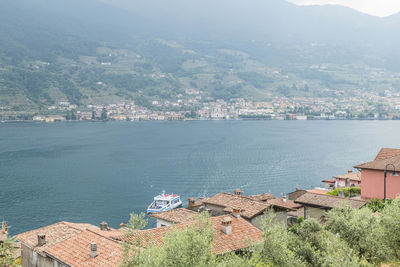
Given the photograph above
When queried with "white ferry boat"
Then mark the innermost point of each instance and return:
(164, 202)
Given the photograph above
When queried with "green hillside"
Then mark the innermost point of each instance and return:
(87, 52)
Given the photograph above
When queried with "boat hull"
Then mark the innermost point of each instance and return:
(150, 210)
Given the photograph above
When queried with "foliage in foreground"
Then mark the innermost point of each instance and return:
(349, 238)
(7, 253)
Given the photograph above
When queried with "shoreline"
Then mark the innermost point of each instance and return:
(247, 119)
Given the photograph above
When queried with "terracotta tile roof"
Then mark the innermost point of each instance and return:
(384, 157)
(55, 233)
(243, 234)
(86, 226)
(385, 153)
(381, 164)
(288, 204)
(58, 232)
(353, 176)
(332, 181)
(76, 251)
(327, 201)
(176, 215)
(200, 201)
(249, 208)
(317, 191)
(262, 197)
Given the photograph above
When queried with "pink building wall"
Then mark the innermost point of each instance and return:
(372, 184)
(342, 182)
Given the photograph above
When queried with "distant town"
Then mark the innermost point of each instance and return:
(194, 106)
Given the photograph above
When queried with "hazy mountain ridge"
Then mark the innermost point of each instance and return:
(52, 50)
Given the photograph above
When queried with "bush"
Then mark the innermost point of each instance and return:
(362, 231)
(348, 192)
(7, 253)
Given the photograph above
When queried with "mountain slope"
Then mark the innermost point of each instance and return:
(96, 51)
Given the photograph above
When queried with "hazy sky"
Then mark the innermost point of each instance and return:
(379, 8)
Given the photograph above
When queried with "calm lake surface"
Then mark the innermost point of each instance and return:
(90, 172)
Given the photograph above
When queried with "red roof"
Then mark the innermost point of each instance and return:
(176, 215)
(75, 251)
(385, 153)
(249, 207)
(243, 234)
(328, 201)
(286, 204)
(385, 156)
(70, 243)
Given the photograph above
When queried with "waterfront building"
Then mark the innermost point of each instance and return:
(70, 244)
(350, 179)
(316, 205)
(174, 216)
(251, 208)
(372, 175)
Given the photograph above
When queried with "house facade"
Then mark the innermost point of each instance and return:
(350, 179)
(372, 175)
(316, 205)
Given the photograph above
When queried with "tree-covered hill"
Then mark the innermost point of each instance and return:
(92, 51)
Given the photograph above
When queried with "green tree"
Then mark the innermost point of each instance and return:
(133, 246)
(7, 253)
(390, 222)
(362, 231)
(275, 248)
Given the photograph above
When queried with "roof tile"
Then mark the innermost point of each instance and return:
(176, 215)
(243, 234)
(249, 207)
(76, 251)
(327, 200)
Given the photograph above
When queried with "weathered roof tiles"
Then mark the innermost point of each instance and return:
(249, 208)
(176, 215)
(328, 201)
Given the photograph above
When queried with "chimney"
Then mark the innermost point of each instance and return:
(93, 250)
(122, 225)
(227, 225)
(236, 212)
(297, 189)
(104, 226)
(238, 192)
(191, 202)
(284, 198)
(349, 171)
(41, 239)
(341, 193)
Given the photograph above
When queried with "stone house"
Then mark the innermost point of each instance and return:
(252, 208)
(316, 205)
(70, 244)
(167, 218)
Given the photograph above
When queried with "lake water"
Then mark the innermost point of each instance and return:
(90, 172)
